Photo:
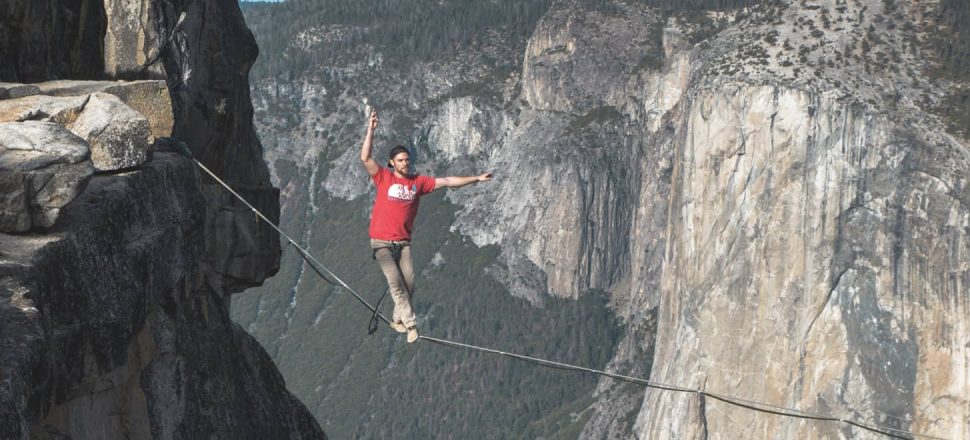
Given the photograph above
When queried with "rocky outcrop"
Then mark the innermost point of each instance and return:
(61, 110)
(207, 75)
(130, 43)
(118, 136)
(114, 307)
(210, 106)
(806, 262)
(149, 97)
(109, 329)
(46, 165)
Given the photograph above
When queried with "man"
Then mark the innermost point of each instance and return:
(398, 193)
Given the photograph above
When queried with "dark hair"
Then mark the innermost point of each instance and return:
(398, 149)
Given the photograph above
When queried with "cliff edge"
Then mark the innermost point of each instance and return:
(117, 258)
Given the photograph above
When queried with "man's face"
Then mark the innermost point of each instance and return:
(401, 163)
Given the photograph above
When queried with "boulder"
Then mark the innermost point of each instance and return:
(119, 137)
(32, 145)
(149, 97)
(14, 90)
(43, 167)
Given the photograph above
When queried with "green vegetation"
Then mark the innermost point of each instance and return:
(598, 115)
(401, 30)
(952, 49)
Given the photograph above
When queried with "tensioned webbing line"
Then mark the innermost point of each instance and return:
(333, 279)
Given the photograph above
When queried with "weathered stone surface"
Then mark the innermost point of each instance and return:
(96, 315)
(13, 90)
(32, 144)
(148, 97)
(793, 216)
(570, 62)
(45, 166)
(73, 87)
(61, 110)
(53, 187)
(129, 40)
(118, 136)
(151, 99)
(14, 197)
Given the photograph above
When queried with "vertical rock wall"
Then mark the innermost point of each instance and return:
(816, 259)
(208, 78)
(130, 40)
(114, 318)
(110, 330)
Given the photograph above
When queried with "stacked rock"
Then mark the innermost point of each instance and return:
(55, 136)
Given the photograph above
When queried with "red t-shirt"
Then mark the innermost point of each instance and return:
(396, 204)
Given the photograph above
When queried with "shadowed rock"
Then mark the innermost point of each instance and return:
(108, 331)
(14, 90)
(48, 39)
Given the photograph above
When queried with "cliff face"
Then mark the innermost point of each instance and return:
(816, 244)
(767, 195)
(819, 275)
(110, 330)
(117, 257)
(816, 239)
(208, 78)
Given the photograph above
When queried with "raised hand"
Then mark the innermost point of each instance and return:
(372, 123)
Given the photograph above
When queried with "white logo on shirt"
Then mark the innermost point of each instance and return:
(401, 193)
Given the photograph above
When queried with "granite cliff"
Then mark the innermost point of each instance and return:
(118, 258)
(772, 197)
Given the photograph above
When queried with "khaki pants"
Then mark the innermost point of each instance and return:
(399, 271)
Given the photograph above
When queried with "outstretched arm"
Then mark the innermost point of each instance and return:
(458, 182)
(369, 163)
